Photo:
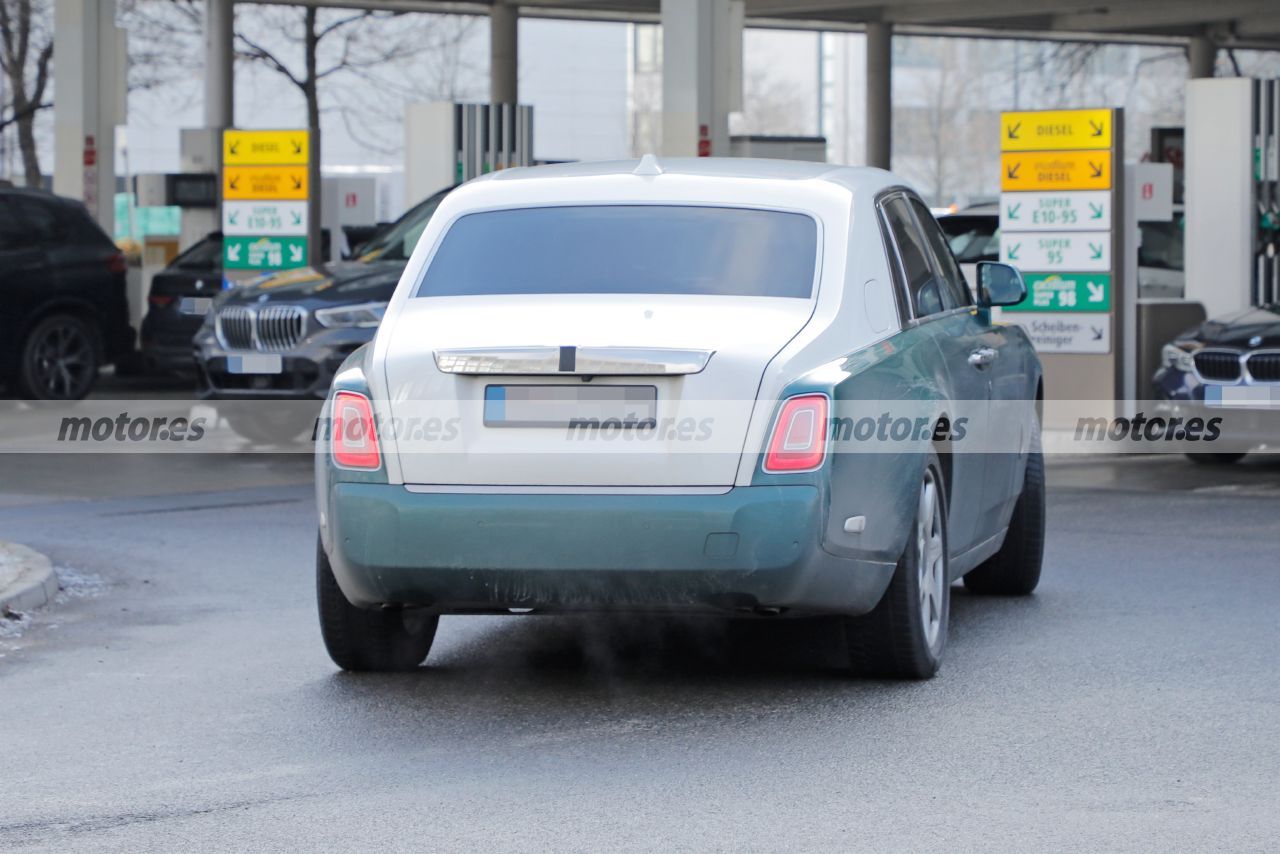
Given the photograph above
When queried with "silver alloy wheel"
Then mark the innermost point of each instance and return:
(931, 559)
(63, 361)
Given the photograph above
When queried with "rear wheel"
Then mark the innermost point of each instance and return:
(369, 639)
(1216, 459)
(1015, 569)
(904, 636)
(59, 359)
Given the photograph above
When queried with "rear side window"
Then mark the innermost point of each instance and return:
(921, 284)
(626, 249)
(37, 222)
(397, 242)
(955, 290)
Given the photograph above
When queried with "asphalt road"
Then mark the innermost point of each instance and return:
(182, 699)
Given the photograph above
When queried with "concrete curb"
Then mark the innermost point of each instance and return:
(27, 579)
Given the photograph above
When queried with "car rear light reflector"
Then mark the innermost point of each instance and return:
(355, 441)
(799, 440)
(160, 300)
(116, 262)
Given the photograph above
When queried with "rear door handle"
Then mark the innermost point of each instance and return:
(983, 356)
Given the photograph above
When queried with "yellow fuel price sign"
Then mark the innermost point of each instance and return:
(264, 182)
(264, 147)
(1055, 170)
(1055, 130)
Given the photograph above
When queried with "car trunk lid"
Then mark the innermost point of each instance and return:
(691, 363)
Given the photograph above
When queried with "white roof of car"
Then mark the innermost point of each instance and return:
(686, 170)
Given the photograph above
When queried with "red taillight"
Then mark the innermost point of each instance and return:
(159, 300)
(116, 262)
(355, 442)
(799, 439)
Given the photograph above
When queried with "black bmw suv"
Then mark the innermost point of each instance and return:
(64, 312)
(283, 336)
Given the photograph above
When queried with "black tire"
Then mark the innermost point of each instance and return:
(894, 641)
(1015, 569)
(369, 639)
(270, 426)
(59, 359)
(1216, 459)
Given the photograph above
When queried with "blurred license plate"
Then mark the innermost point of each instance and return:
(195, 305)
(570, 405)
(255, 363)
(1242, 396)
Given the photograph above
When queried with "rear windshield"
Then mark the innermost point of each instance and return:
(205, 255)
(626, 249)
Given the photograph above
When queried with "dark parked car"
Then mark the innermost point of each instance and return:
(180, 297)
(283, 336)
(974, 236)
(63, 307)
(1228, 365)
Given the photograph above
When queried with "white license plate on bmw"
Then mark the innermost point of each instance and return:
(586, 406)
(255, 363)
(198, 306)
(1242, 397)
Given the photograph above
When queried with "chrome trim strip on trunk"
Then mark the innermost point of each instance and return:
(584, 361)
(448, 489)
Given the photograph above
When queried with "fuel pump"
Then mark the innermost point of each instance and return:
(1266, 176)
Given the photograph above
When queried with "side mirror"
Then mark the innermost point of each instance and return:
(999, 284)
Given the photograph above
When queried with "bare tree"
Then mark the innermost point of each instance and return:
(943, 122)
(163, 37)
(361, 65)
(435, 66)
(333, 43)
(26, 52)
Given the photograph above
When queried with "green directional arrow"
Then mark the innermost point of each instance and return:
(232, 217)
(1095, 250)
(297, 218)
(1013, 251)
(1095, 211)
(1013, 210)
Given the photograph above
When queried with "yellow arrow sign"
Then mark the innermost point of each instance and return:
(264, 182)
(264, 147)
(1055, 130)
(1055, 170)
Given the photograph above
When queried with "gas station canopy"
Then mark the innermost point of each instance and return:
(1243, 23)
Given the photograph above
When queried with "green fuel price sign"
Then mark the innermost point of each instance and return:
(1066, 292)
(263, 253)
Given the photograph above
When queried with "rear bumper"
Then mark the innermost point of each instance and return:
(167, 337)
(749, 547)
(1241, 427)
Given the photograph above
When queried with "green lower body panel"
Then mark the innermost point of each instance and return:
(749, 547)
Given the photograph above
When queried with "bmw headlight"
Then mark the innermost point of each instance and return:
(363, 315)
(1173, 356)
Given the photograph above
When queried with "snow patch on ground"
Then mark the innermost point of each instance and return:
(72, 584)
(13, 624)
